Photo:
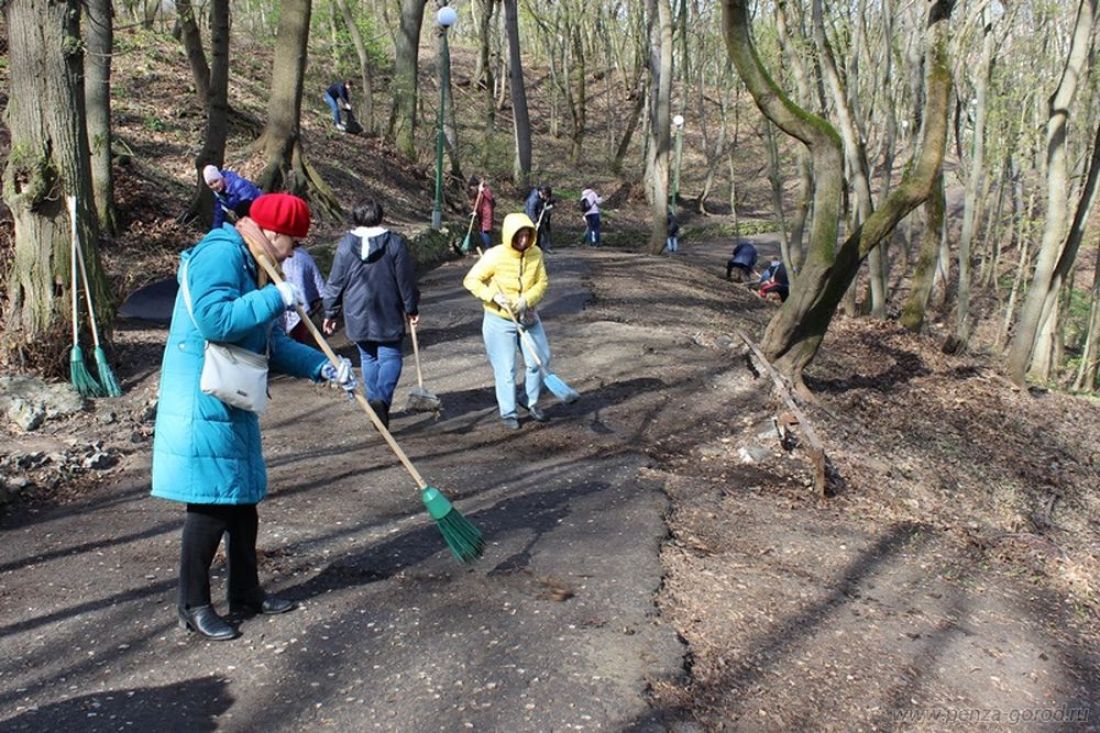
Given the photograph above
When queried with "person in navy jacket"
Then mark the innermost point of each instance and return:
(338, 97)
(373, 283)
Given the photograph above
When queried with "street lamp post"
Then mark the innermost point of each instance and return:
(678, 126)
(446, 17)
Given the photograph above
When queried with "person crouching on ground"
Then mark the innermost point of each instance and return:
(373, 282)
(512, 277)
(233, 194)
(207, 454)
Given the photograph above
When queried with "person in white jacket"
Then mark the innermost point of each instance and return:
(590, 205)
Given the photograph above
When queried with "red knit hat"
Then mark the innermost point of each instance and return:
(281, 213)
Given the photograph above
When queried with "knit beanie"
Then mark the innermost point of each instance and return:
(211, 174)
(281, 213)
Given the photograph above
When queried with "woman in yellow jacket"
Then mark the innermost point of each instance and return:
(512, 276)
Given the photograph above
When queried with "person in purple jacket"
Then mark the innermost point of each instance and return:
(233, 194)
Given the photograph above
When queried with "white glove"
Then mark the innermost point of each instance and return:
(343, 375)
(291, 294)
(520, 308)
(501, 301)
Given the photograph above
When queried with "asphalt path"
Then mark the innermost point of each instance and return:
(554, 629)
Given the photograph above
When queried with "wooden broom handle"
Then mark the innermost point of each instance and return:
(416, 355)
(273, 273)
(473, 217)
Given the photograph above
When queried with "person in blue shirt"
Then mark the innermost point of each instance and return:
(540, 203)
(338, 97)
(742, 261)
(301, 270)
(233, 194)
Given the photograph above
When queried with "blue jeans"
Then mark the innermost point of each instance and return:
(672, 244)
(381, 364)
(501, 336)
(592, 232)
(332, 104)
(486, 240)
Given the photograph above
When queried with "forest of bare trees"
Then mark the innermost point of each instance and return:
(925, 156)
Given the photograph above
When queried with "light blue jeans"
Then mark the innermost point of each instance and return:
(333, 105)
(381, 363)
(501, 336)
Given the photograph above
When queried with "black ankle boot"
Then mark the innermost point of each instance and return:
(261, 603)
(205, 621)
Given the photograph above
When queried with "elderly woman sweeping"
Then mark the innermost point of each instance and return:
(207, 453)
(512, 277)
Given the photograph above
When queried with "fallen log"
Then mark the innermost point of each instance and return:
(794, 416)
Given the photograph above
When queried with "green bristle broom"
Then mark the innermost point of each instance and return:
(109, 383)
(81, 379)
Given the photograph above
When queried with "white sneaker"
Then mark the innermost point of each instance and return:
(341, 127)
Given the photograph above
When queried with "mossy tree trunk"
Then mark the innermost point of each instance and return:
(281, 142)
(795, 333)
(912, 313)
(48, 161)
(402, 126)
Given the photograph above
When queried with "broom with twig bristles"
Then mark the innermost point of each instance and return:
(107, 379)
(81, 379)
(461, 535)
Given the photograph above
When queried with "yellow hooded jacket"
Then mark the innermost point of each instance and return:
(517, 273)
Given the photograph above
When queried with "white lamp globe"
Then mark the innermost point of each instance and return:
(446, 17)
(678, 120)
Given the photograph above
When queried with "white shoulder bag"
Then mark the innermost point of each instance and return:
(235, 375)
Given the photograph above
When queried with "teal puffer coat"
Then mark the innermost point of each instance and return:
(204, 451)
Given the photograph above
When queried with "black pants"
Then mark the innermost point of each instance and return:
(202, 533)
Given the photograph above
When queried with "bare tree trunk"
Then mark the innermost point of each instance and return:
(521, 171)
(971, 203)
(1036, 307)
(192, 45)
(777, 194)
(793, 58)
(281, 140)
(402, 127)
(366, 73)
(48, 160)
(217, 111)
(1090, 360)
(912, 314)
(483, 10)
(855, 154)
(98, 40)
(578, 96)
(657, 158)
